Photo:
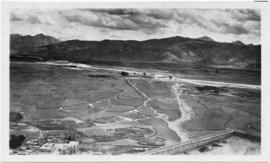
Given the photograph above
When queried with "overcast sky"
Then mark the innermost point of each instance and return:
(224, 25)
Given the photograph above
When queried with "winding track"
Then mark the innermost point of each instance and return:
(186, 112)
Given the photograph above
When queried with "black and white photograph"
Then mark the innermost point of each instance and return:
(174, 80)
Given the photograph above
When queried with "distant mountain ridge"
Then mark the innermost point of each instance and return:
(238, 42)
(178, 50)
(19, 43)
(205, 38)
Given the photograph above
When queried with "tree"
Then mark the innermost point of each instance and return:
(123, 73)
(15, 117)
(16, 141)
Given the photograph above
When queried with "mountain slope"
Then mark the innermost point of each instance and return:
(179, 50)
(19, 43)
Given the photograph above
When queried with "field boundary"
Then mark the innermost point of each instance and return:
(201, 141)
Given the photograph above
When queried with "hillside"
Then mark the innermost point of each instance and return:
(178, 50)
(23, 44)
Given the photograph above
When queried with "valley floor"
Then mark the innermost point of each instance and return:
(99, 111)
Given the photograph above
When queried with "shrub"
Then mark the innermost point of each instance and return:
(204, 149)
(16, 141)
(15, 117)
(123, 73)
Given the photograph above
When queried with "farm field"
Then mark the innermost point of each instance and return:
(108, 113)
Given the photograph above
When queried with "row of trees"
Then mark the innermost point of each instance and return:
(124, 73)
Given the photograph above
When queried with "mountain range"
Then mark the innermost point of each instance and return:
(177, 50)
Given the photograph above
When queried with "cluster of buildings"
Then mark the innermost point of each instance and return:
(61, 148)
(49, 145)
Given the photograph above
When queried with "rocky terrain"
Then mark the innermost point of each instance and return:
(202, 51)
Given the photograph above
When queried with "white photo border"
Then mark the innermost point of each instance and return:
(7, 6)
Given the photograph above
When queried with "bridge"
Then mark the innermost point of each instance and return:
(200, 141)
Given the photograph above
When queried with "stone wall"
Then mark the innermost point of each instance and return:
(201, 141)
(191, 144)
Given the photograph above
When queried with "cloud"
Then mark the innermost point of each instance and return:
(99, 20)
(120, 12)
(246, 15)
(235, 29)
(15, 17)
(139, 24)
(24, 17)
(115, 19)
(231, 28)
